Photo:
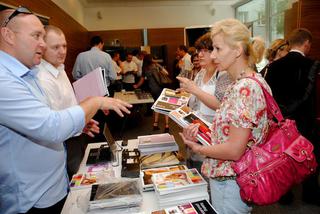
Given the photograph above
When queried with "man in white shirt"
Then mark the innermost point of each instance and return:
(55, 83)
(185, 63)
(117, 67)
(129, 71)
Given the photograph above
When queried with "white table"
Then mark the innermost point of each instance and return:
(77, 199)
(131, 97)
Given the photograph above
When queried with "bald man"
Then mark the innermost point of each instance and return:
(32, 157)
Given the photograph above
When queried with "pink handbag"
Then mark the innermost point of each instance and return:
(267, 171)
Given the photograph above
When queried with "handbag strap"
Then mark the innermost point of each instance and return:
(272, 105)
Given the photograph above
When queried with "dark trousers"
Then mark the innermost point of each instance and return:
(128, 86)
(76, 147)
(54, 209)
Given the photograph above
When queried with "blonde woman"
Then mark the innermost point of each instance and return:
(278, 49)
(242, 114)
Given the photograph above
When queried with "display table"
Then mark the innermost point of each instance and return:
(132, 98)
(75, 202)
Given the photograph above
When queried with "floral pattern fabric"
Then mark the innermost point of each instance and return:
(243, 106)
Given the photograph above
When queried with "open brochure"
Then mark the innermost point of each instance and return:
(197, 207)
(91, 84)
(170, 100)
(184, 116)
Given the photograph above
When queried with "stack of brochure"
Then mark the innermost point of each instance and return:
(170, 100)
(184, 116)
(146, 175)
(157, 143)
(178, 187)
(198, 207)
(111, 197)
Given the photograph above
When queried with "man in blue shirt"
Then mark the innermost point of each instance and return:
(95, 57)
(33, 174)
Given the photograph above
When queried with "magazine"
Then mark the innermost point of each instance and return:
(170, 100)
(197, 207)
(184, 116)
(85, 180)
(146, 175)
(157, 143)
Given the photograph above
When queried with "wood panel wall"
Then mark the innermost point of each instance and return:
(127, 38)
(76, 34)
(171, 37)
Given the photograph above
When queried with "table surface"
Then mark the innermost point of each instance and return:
(76, 200)
(131, 97)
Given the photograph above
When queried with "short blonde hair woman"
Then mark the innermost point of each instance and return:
(278, 49)
(242, 114)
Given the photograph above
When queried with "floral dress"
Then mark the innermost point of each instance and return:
(242, 106)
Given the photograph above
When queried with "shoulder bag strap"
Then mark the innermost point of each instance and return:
(272, 105)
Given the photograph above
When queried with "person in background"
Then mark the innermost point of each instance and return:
(129, 71)
(176, 70)
(88, 61)
(56, 85)
(242, 115)
(33, 164)
(207, 89)
(260, 49)
(293, 86)
(196, 65)
(185, 63)
(278, 49)
(191, 51)
(95, 57)
(117, 67)
(148, 68)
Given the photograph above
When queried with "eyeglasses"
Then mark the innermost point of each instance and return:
(18, 11)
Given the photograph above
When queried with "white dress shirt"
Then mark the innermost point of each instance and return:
(55, 83)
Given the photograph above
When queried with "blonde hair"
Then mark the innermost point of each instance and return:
(274, 47)
(236, 32)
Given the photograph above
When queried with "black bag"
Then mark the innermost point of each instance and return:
(162, 77)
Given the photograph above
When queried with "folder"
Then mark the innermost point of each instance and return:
(92, 84)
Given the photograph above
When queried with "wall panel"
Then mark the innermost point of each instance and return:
(76, 34)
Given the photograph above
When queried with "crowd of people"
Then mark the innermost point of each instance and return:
(39, 114)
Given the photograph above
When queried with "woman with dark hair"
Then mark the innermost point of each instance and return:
(148, 68)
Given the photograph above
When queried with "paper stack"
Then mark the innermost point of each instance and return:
(157, 143)
(112, 197)
(178, 187)
(170, 100)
